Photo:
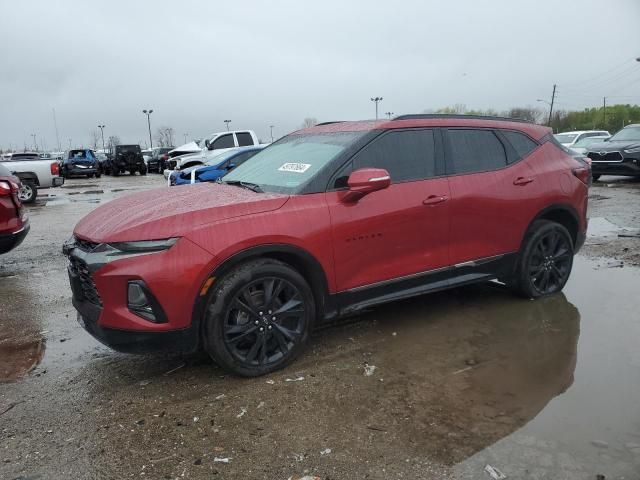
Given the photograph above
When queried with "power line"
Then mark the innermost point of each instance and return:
(601, 74)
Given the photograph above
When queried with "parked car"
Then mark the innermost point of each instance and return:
(33, 173)
(14, 224)
(568, 139)
(216, 143)
(214, 168)
(619, 155)
(191, 160)
(82, 162)
(125, 158)
(582, 145)
(325, 222)
(159, 157)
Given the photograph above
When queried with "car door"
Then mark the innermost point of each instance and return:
(493, 191)
(399, 231)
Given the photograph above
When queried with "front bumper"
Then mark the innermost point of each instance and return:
(99, 294)
(11, 240)
(627, 167)
(75, 170)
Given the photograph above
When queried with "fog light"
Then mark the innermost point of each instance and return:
(139, 303)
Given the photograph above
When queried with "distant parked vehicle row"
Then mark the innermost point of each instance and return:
(568, 139)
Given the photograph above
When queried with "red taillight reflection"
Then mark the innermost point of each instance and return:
(5, 189)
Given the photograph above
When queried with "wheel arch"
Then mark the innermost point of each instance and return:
(28, 176)
(298, 258)
(563, 214)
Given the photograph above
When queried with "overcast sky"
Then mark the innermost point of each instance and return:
(275, 63)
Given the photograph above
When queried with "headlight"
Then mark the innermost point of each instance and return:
(144, 246)
(632, 150)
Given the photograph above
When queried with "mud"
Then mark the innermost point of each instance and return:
(462, 379)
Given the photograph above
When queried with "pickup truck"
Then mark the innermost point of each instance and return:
(34, 173)
(216, 144)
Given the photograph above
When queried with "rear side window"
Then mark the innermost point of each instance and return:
(474, 151)
(407, 155)
(225, 141)
(522, 144)
(244, 139)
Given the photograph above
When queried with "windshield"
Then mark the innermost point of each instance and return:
(627, 134)
(220, 158)
(292, 161)
(566, 137)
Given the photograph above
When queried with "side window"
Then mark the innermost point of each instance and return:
(522, 144)
(475, 151)
(342, 176)
(224, 141)
(407, 155)
(244, 139)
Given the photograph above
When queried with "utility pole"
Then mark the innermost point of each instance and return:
(148, 114)
(271, 128)
(553, 99)
(377, 100)
(604, 112)
(55, 123)
(227, 122)
(388, 114)
(185, 137)
(101, 127)
(35, 144)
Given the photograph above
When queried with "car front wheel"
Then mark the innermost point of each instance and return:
(546, 260)
(595, 176)
(258, 318)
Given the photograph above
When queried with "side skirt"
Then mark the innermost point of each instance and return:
(482, 270)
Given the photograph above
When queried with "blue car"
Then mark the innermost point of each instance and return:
(82, 162)
(216, 167)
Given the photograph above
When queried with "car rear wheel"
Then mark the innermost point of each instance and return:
(116, 171)
(143, 170)
(258, 318)
(28, 192)
(546, 260)
(595, 176)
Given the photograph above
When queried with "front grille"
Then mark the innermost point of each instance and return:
(85, 245)
(89, 290)
(607, 157)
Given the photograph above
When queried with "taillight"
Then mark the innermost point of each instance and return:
(583, 174)
(5, 189)
(55, 169)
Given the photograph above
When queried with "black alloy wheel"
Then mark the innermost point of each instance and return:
(260, 319)
(546, 261)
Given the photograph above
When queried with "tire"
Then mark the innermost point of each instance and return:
(28, 192)
(143, 170)
(132, 172)
(595, 176)
(98, 174)
(545, 262)
(116, 172)
(239, 333)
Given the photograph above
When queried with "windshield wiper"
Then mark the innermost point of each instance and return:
(254, 187)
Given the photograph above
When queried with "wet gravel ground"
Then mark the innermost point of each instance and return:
(463, 379)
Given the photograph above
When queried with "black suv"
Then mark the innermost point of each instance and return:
(619, 155)
(123, 158)
(159, 156)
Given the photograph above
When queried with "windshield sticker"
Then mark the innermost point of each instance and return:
(295, 167)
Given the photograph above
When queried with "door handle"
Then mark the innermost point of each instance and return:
(522, 181)
(435, 199)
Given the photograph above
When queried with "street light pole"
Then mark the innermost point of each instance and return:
(35, 145)
(227, 122)
(185, 137)
(271, 128)
(148, 114)
(388, 114)
(376, 100)
(101, 127)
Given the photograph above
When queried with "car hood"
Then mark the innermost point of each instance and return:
(612, 146)
(164, 213)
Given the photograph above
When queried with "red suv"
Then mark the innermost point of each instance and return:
(14, 224)
(328, 221)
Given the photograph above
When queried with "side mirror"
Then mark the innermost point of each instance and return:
(365, 181)
(231, 166)
(206, 143)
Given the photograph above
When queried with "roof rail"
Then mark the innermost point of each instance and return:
(328, 123)
(418, 116)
